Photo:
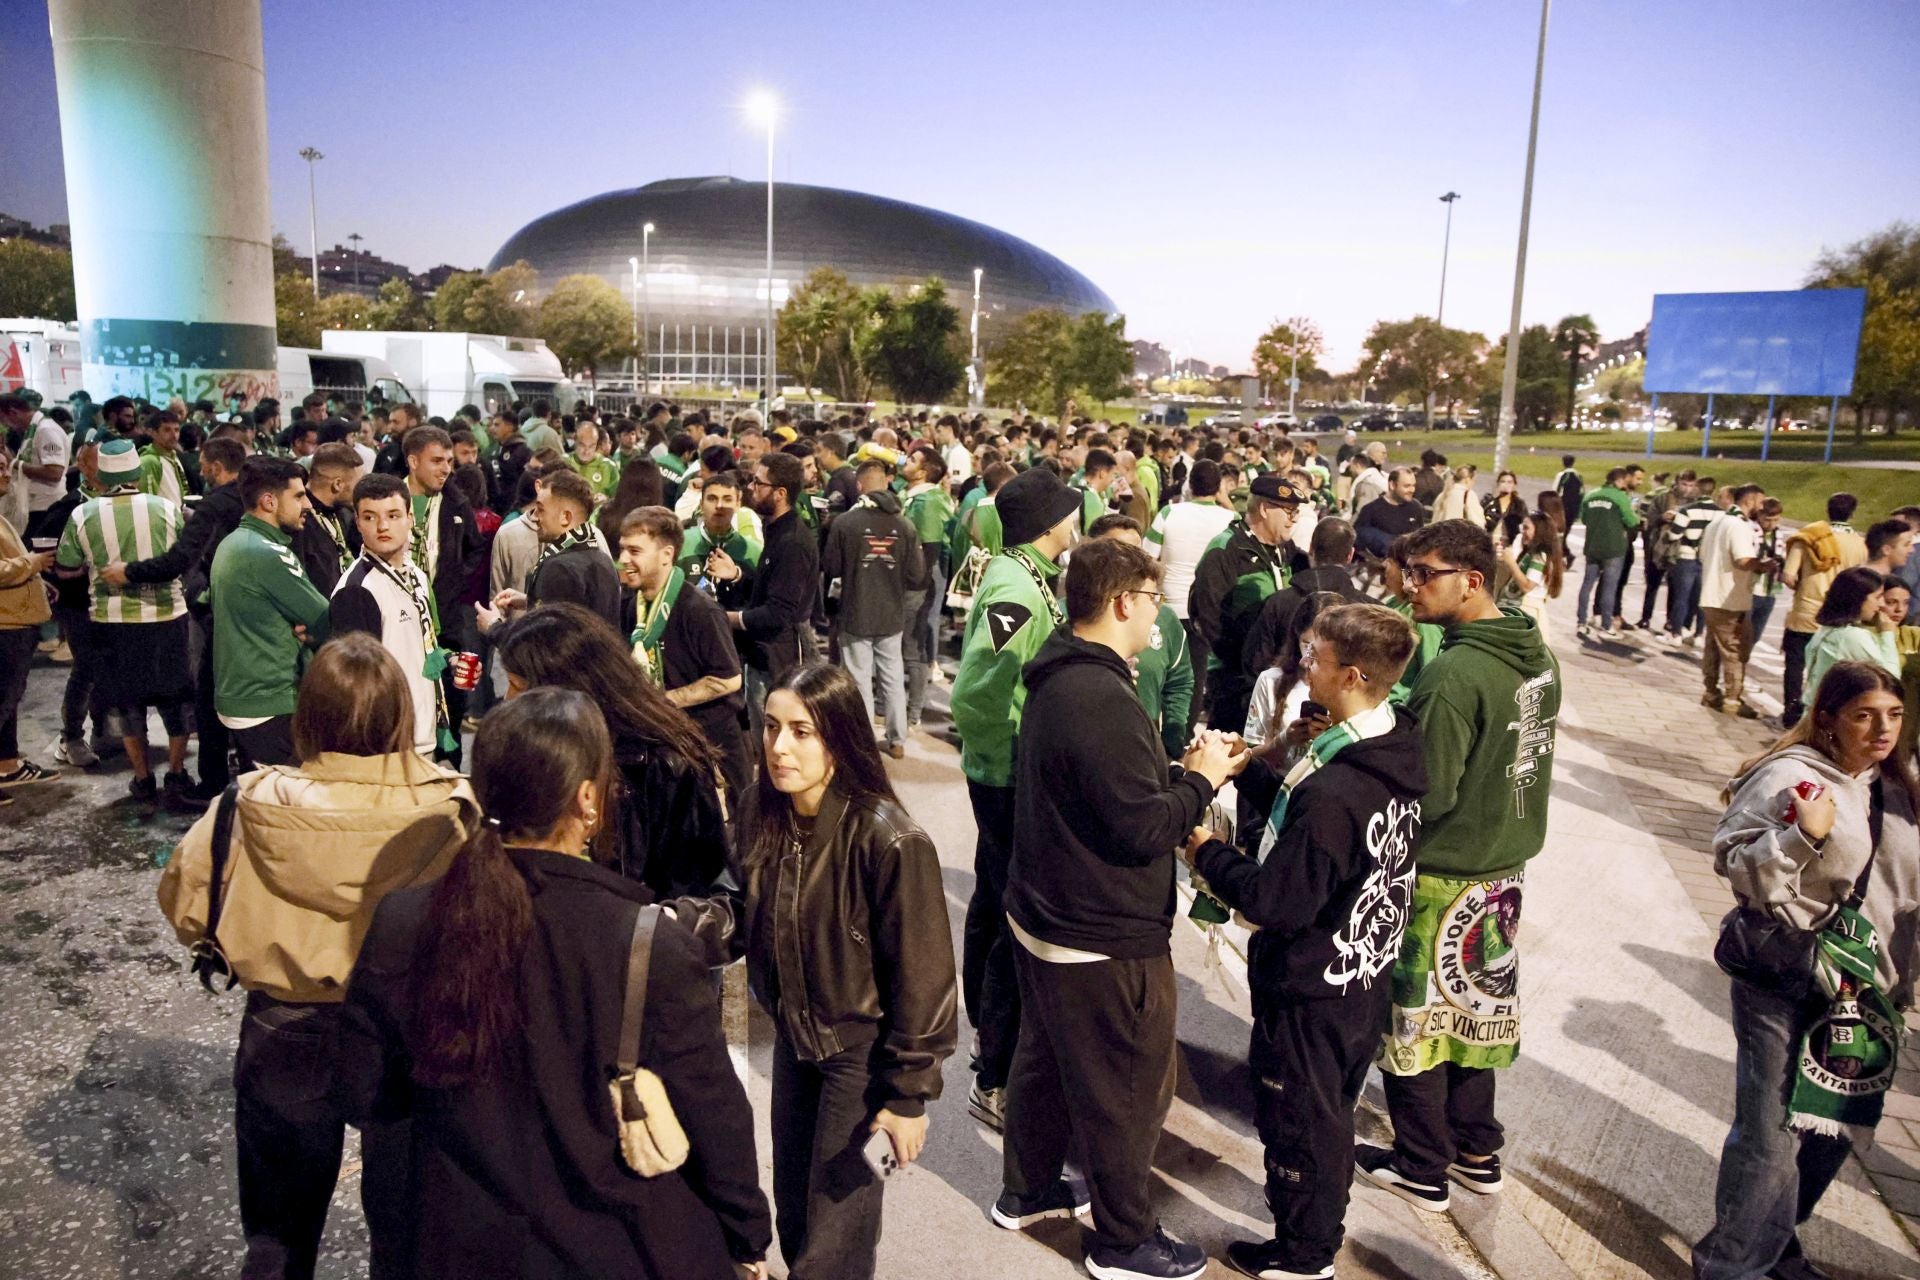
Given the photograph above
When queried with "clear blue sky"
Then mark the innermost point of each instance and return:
(1211, 165)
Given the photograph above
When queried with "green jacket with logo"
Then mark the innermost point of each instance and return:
(259, 595)
(1164, 680)
(1236, 574)
(1487, 706)
(1011, 617)
(929, 510)
(1608, 515)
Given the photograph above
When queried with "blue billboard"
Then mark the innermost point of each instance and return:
(1797, 342)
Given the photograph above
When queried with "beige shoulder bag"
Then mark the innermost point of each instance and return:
(651, 1138)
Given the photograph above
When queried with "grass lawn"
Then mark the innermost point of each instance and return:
(1787, 446)
(1802, 486)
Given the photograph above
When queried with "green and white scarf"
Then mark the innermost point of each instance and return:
(579, 535)
(1846, 1059)
(425, 547)
(1374, 722)
(652, 627)
(408, 577)
(1371, 723)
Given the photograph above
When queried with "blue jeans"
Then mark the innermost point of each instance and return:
(1762, 610)
(1683, 595)
(860, 655)
(1606, 575)
(1770, 1178)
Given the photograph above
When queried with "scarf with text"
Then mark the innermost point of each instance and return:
(578, 536)
(408, 577)
(651, 629)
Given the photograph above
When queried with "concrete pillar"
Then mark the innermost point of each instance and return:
(163, 121)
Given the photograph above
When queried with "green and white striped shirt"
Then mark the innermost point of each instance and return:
(124, 526)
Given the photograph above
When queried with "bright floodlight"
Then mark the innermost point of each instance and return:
(762, 107)
(648, 228)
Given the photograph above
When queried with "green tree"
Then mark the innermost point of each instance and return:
(501, 303)
(1273, 353)
(1046, 358)
(1622, 383)
(587, 324)
(1574, 336)
(285, 260)
(1418, 358)
(397, 307)
(1886, 379)
(1536, 387)
(36, 280)
(818, 328)
(915, 345)
(295, 313)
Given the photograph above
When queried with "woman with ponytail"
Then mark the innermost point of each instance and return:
(487, 1010)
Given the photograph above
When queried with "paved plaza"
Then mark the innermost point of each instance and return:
(115, 1094)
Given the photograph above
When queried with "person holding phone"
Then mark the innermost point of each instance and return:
(849, 952)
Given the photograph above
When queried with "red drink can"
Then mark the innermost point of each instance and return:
(466, 671)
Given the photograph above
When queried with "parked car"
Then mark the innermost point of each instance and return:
(1328, 422)
(1378, 422)
(1449, 424)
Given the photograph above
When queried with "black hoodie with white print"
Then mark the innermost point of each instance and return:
(1330, 904)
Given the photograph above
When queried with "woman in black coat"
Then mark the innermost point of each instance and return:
(486, 1009)
(668, 827)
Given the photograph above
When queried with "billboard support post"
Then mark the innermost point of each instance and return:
(1653, 413)
(1833, 416)
(1706, 428)
(1766, 433)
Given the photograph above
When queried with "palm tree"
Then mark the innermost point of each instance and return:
(1574, 336)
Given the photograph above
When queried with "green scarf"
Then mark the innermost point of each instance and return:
(411, 580)
(652, 628)
(1371, 723)
(1846, 1059)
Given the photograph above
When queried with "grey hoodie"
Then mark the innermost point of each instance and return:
(1770, 864)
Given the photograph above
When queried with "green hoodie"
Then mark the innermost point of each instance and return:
(1608, 514)
(259, 595)
(1011, 617)
(1487, 707)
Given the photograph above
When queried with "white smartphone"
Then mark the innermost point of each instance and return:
(879, 1155)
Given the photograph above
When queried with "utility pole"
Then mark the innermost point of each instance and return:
(1440, 312)
(1509, 381)
(979, 396)
(646, 305)
(356, 237)
(311, 154)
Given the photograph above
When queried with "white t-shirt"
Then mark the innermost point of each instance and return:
(959, 461)
(1729, 538)
(47, 446)
(1183, 531)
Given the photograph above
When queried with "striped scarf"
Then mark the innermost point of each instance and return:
(1845, 1062)
(1374, 722)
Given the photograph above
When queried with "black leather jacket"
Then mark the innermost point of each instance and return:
(848, 943)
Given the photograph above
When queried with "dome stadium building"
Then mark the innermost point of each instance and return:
(703, 289)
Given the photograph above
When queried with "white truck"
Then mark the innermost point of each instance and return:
(40, 355)
(304, 370)
(449, 370)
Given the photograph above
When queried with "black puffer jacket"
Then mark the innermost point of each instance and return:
(848, 943)
(669, 831)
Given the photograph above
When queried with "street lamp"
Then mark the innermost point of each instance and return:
(356, 237)
(634, 265)
(1440, 313)
(764, 109)
(1509, 382)
(979, 396)
(646, 314)
(311, 154)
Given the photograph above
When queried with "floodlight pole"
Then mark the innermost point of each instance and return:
(1509, 382)
(646, 308)
(311, 154)
(979, 396)
(1440, 312)
(773, 343)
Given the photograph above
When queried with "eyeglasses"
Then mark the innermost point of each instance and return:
(1419, 575)
(1309, 654)
(1158, 597)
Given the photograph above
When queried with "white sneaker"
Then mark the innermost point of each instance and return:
(75, 752)
(61, 653)
(48, 645)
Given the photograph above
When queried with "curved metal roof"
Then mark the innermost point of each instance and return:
(707, 258)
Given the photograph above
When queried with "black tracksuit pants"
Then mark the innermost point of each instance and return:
(1309, 1061)
(987, 981)
(1439, 1115)
(1095, 1063)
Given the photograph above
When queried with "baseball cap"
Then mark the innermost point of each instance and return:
(1275, 487)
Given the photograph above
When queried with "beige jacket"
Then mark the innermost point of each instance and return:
(314, 850)
(23, 599)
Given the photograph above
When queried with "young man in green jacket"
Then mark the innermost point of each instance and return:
(266, 613)
(1608, 516)
(1487, 707)
(1163, 671)
(1014, 610)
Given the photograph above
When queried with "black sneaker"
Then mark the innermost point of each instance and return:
(1375, 1164)
(1266, 1260)
(145, 790)
(989, 1106)
(1483, 1178)
(179, 795)
(1158, 1257)
(26, 774)
(1066, 1198)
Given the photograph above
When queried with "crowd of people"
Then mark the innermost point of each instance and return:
(515, 727)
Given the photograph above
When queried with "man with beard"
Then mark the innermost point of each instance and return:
(330, 540)
(572, 569)
(773, 626)
(1487, 706)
